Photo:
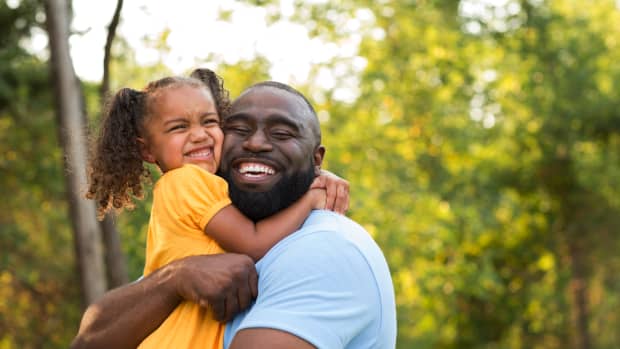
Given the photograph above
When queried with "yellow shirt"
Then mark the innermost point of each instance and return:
(184, 201)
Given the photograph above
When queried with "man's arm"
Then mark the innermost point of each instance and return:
(123, 317)
(258, 338)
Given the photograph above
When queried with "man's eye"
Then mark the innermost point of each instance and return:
(281, 135)
(238, 130)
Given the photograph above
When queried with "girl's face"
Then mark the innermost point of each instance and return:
(183, 128)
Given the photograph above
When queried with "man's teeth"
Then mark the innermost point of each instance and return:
(256, 169)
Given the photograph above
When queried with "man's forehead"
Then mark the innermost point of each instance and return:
(270, 97)
(263, 101)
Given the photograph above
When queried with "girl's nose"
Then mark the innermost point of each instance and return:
(198, 134)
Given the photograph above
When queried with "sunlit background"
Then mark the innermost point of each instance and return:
(203, 33)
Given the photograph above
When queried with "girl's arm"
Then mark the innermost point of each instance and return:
(237, 233)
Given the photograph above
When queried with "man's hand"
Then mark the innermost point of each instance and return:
(226, 282)
(123, 317)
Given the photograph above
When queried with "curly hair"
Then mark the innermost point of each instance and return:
(216, 85)
(117, 173)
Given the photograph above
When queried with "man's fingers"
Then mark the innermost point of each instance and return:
(232, 307)
(249, 277)
(225, 283)
(244, 296)
(331, 192)
(253, 283)
(219, 310)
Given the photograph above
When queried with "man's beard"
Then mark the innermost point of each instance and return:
(258, 205)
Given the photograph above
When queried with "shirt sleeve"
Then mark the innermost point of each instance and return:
(319, 288)
(191, 195)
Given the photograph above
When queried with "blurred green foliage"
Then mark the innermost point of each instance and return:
(483, 151)
(39, 303)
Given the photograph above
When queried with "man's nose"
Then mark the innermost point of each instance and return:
(257, 142)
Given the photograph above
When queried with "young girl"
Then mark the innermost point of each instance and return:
(175, 123)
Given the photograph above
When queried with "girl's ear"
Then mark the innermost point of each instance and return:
(145, 151)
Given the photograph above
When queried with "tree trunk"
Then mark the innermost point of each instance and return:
(579, 294)
(115, 263)
(71, 134)
(107, 51)
(114, 258)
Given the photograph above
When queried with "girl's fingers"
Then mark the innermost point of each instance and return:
(341, 202)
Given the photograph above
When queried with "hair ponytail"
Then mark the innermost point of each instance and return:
(116, 170)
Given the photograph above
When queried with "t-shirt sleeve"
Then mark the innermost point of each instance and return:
(320, 289)
(190, 195)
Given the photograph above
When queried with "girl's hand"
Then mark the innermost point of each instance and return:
(318, 197)
(337, 191)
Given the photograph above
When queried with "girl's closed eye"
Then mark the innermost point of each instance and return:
(211, 120)
(176, 127)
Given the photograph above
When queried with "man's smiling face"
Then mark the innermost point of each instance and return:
(270, 152)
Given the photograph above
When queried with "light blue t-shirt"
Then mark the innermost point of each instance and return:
(327, 283)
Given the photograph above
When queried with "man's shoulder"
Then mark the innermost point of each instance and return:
(332, 226)
(333, 259)
(323, 221)
(326, 227)
(326, 238)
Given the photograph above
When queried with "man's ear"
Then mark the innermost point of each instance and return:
(144, 151)
(319, 154)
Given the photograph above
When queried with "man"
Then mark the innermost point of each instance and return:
(325, 286)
